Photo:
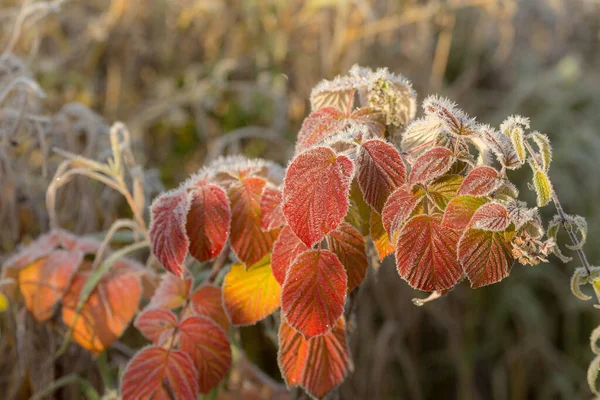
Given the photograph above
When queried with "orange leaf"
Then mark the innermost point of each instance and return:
(398, 208)
(314, 292)
(318, 126)
(481, 181)
(431, 164)
(318, 364)
(207, 301)
(349, 246)
(460, 210)
(160, 374)
(172, 292)
(157, 324)
(491, 217)
(380, 237)
(250, 295)
(285, 250)
(208, 346)
(270, 208)
(44, 282)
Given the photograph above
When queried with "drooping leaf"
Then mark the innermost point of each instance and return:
(314, 292)
(443, 189)
(426, 254)
(349, 246)
(318, 364)
(491, 217)
(592, 375)
(380, 237)
(248, 240)
(161, 374)
(157, 324)
(285, 250)
(207, 301)
(485, 256)
(168, 237)
(206, 343)
(501, 146)
(451, 117)
(315, 194)
(543, 188)
(431, 164)
(398, 208)
(107, 311)
(270, 208)
(460, 210)
(208, 220)
(514, 128)
(481, 181)
(380, 170)
(251, 294)
(543, 144)
(172, 292)
(44, 282)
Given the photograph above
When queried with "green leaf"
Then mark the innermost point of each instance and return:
(543, 144)
(543, 188)
(581, 225)
(579, 278)
(592, 375)
(553, 228)
(594, 340)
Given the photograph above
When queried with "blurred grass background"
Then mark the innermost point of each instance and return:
(193, 78)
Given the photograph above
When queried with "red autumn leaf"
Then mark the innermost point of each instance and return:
(430, 165)
(349, 246)
(251, 294)
(160, 374)
(285, 250)
(168, 237)
(481, 181)
(314, 292)
(460, 210)
(172, 292)
(490, 217)
(443, 189)
(207, 301)
(44, 282)
(270, 209)
(206, 343)
(398, 208)
(426, 254)
(318, 126)
(485, 256)
(380, 170)
(315, 194)
(248, 240)
(380, 237)
(157, 324)
(318, 364)
(108, 310)
(208, 220)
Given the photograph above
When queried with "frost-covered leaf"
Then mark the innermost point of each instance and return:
(398, 208)
(318, 126)
(543, 188)
(314, 292)
(485, 256)
(543, 143)
(157, 373)
(578, 279)
(318, 364)
(450, 116)
(206, 343)
(208, 220)
(157, 324)
(349, 246)
(380, 237)
(501, 146)
(393, 96)
(168, 238)
(44, 282)
(594, 337)
(285, 250)
(514, 128)
(460, 210)
(426, 254)
(519, 214)
(248, 241)
(481, 181)
(359, 212)
(315, 194)
(337, 93)
(490, 217)
(380, 170)
(270, 208)
(420, 134)
(207, 301)
(553, 228)
(443, 189)
(172, 292)
(431, 164)
(251, 294)
(592, 375)
(580, 225)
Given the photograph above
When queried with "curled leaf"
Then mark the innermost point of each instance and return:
(543, 144)
(578, 279)
(543, 188)
(452, 118)
(594, 337)
(592, 375)
(581, 226)
(553, 228)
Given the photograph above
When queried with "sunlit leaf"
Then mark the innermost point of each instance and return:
(157, 324)
(460, 210)
(490, 217)
(318, 126)
(270, 208)
(443, 189)
(481, 181)
(318, 364)
(431, 164)
(380, 170)
(485, 256)
(426, 254)
(451, 117)
(248, 240)
(206, 343)
(501, 146)
(543, 188)
(592, 375)
(543, 144)
(580, 278)
(315, 193)
(168, 237)
(251, 294)
(398, 208)
(380, 237)
(420, 134)
(208, 221)
(207, 301)
(394, 96)
(514, 128)
(359, 212)
(44, 282)
(314, 292)
(349, 246)
(172, 292)
(157, 373)
(285, 250)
